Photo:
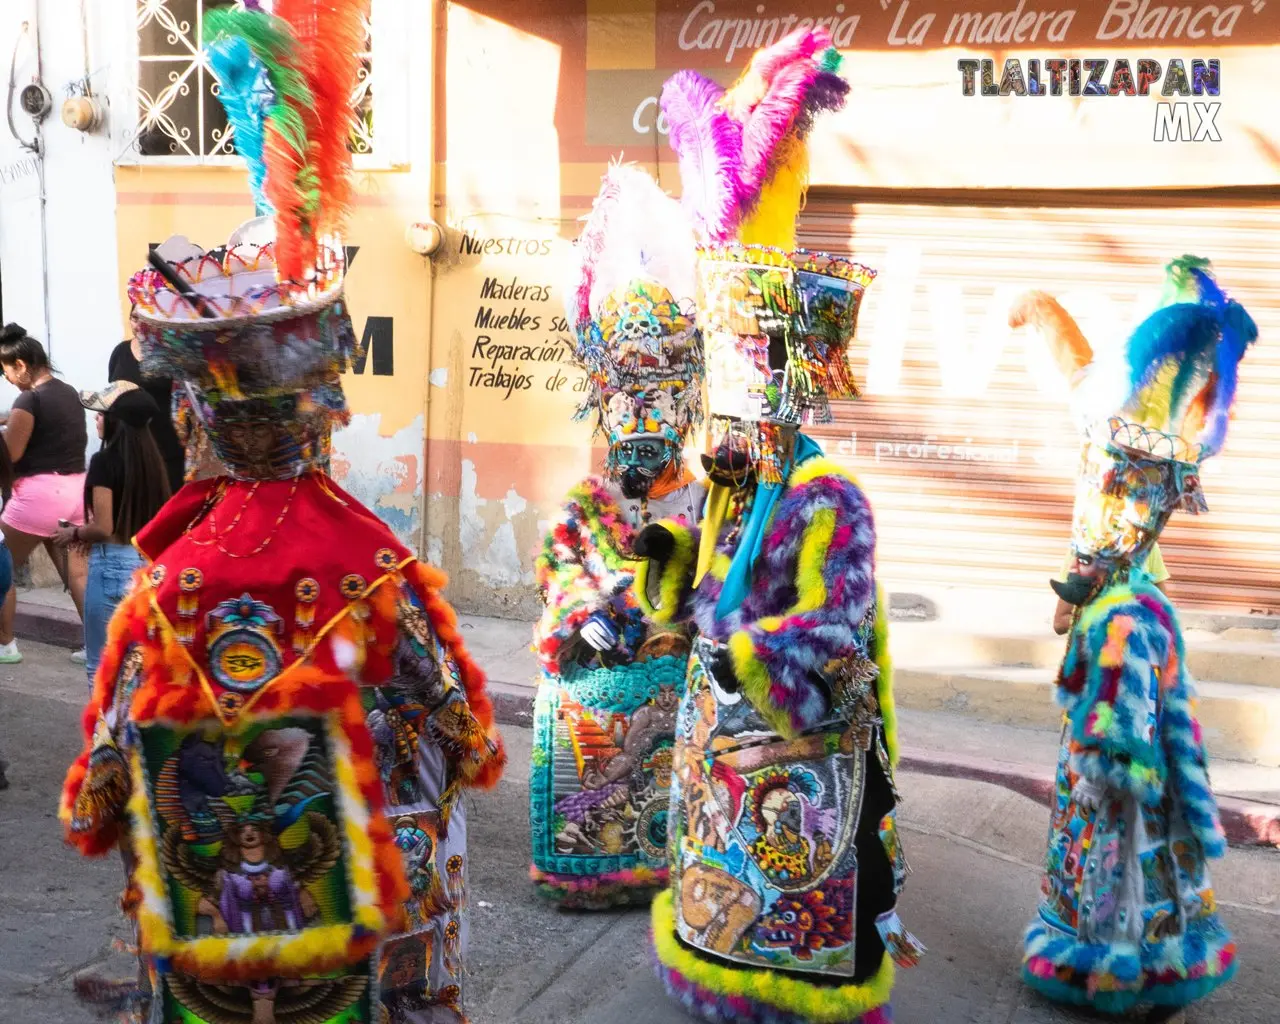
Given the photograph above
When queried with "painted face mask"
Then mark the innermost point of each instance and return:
(644, 382)
(1131, 481)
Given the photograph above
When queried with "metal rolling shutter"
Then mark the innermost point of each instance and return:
(999, 517)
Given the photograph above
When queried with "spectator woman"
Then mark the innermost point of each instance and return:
(6, 561)
(126, 484)
(126, 364)
(45, 438)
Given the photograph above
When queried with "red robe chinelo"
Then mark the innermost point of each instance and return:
(280, 730)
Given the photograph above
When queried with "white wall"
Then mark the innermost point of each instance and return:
(84, 307)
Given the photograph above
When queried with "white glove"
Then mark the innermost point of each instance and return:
(1088, 795)
(598, 634)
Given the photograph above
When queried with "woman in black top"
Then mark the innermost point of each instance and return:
(123, 490)
(45, 436)
(125, 364)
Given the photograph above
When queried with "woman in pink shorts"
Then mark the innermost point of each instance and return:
(46, 438)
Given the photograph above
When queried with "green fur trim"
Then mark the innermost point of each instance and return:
(674, 578)
(820, 1004)
(884, 685)
(756, 684)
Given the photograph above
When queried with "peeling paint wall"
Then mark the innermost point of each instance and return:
(384, 472)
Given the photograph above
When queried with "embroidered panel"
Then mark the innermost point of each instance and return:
(248, 827)
(601, 767)
(767, 869)
(343, 998)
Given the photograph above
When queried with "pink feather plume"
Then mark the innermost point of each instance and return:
(708, 144)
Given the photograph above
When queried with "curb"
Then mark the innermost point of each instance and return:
(1246, 822)
(59, 627)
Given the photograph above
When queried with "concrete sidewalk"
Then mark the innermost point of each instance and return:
(975, 852)
(999, 729)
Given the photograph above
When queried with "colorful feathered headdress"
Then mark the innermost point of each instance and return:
(286, 80)
(1176, 383)
(775, 322)
(259, 328)
(1179, 367)
(744, 162)
(630, 299)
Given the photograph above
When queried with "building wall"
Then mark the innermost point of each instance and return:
(538, 95)
(80, 212)
(462, 436)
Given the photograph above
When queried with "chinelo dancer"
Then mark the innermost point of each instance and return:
(604, 721)
(284, 718)
(1128, 916)
(786, 861)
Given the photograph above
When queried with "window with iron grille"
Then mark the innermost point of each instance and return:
(177, 116)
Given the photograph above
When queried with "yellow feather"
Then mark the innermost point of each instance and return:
(773, 221)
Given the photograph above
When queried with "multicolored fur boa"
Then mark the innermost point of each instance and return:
(811, 589)
(584, 568)
(1125, 644)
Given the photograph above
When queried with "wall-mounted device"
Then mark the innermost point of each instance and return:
(35, 101)
(83, 113)
(424, 237)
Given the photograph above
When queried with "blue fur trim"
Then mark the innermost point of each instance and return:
(1124, 975)
(1122, 756)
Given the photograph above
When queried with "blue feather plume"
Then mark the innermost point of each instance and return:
(1180, 332)
(247, 96)
(1238, 333)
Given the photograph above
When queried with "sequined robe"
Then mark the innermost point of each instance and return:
(298, 713)
(1128, 914)
(603, 725)
(785, 857)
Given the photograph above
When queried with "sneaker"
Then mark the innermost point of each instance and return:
(78, 656)
(9, 653)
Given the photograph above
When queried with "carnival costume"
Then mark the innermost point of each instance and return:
(604, 719)
(786, 861)
(285, 717)
(1128, 915)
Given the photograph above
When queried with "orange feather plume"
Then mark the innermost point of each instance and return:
(329, 35)
(1067, 342)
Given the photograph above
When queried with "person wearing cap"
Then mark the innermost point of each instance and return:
(125, 486)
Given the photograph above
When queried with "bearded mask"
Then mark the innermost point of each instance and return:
(1131, 481)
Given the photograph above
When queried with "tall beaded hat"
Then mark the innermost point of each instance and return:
(1141, 461)
(630, 299)
(258, 329)
(776, 321)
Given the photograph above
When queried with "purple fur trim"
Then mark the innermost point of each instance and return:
(805, 643)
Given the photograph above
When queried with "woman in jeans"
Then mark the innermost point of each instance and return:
(45, 437)
(124, 488)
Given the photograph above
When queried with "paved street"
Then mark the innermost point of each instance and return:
(973, 849)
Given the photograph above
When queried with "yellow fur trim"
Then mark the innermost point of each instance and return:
(673, 580)
(717, 508)
(756, 684)
(355, 820)
(884, 685)
(819, 1004)
(155, 928)
(290, 954)
(818, 466)
(810, 586)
